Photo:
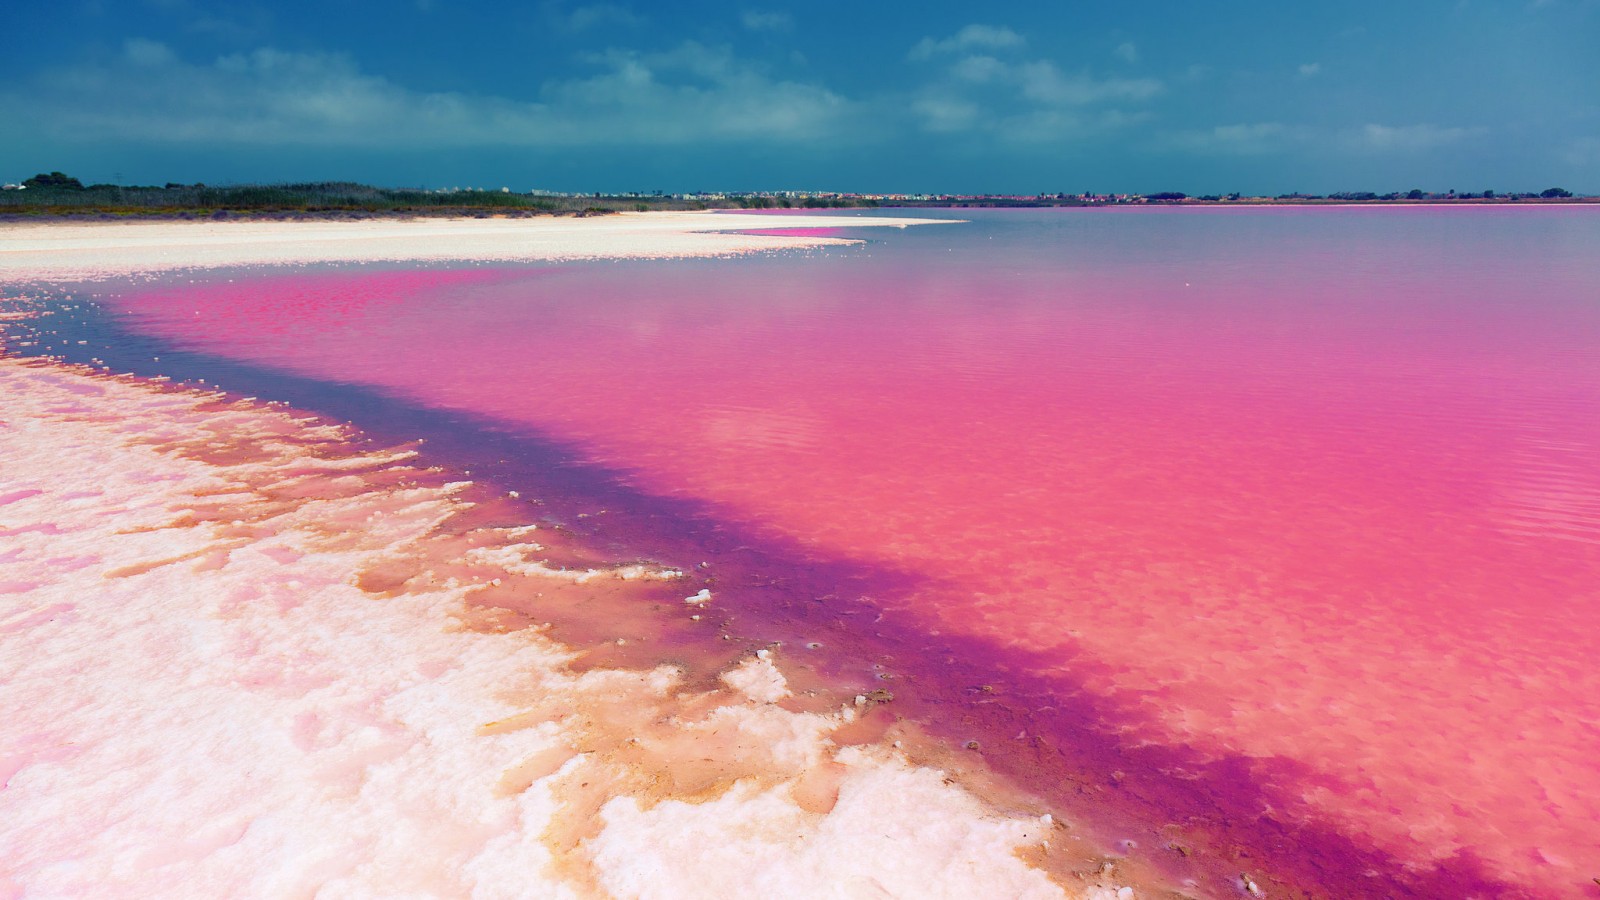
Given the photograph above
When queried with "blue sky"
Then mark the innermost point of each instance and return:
(1071, 96)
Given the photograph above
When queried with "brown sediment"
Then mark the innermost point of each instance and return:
(205, 554)
(651, 746)
(1068, 762)
(647, 736)
(652, 704)
(649, 733)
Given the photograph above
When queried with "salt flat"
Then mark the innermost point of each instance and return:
(58, 250)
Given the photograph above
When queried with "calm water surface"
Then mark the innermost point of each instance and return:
(1275, 531)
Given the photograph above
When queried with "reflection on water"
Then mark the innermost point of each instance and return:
(1274, 529)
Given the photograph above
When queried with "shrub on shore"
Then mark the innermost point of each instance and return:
(57, 194)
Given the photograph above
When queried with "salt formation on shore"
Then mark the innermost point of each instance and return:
(239, 657)
(74, 250)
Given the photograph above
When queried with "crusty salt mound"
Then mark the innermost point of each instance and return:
(96, 249)
(240, 656)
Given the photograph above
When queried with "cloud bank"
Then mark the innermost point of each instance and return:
(985, 84)
(689, 93)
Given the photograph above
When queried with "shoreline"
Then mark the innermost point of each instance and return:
(214, 538)
(194, 635)
(1118, 815)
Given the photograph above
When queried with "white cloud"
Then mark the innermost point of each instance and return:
(1258, 138)
(233, 22)
(980, 69)
(1308, 70)
(972, 37)
(943, 115)
(1053, 125)
(1043, 82)
(1406, 138)
(765, 20)
(983, 89)
(693, 92)
(1127, 52)
(594, 15)
(1030, 101)
(1241, 139)
(142, 52)
(689, 94)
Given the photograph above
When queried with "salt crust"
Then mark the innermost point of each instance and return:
(200, 705)
(73, 251)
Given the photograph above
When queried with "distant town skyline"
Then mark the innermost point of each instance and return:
(1100, 97)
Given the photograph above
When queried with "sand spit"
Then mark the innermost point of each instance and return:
(72, 251)
(240, 656)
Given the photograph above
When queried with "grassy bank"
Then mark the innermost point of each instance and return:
(65, 197)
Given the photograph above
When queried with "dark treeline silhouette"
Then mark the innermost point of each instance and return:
(58, 194)
(55, 193)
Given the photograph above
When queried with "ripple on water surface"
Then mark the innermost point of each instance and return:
(1268, 530)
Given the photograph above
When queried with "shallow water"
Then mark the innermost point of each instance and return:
(1271, 537)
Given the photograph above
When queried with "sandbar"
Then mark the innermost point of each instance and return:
(74, 250)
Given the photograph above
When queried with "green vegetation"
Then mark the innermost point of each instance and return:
(54, 180)
(762, 201)
(831, 203)
(57, 194)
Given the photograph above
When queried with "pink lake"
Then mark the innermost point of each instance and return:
(1271, 535)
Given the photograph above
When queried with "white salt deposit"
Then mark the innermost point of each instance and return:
(75, 250)
(202, 700)
(759, 680)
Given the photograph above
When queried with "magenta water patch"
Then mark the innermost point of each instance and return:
(41, 528)
(251, 311)
(13, 496)
(1302, 506)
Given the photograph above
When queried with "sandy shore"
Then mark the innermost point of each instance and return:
(244, 656)
(202, 696)
(64, 250)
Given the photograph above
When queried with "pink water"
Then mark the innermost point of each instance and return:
(1276, 532)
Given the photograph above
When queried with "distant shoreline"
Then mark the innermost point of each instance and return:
(92, 214)
(1000, 203)
(56, 196)
(112, 215)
